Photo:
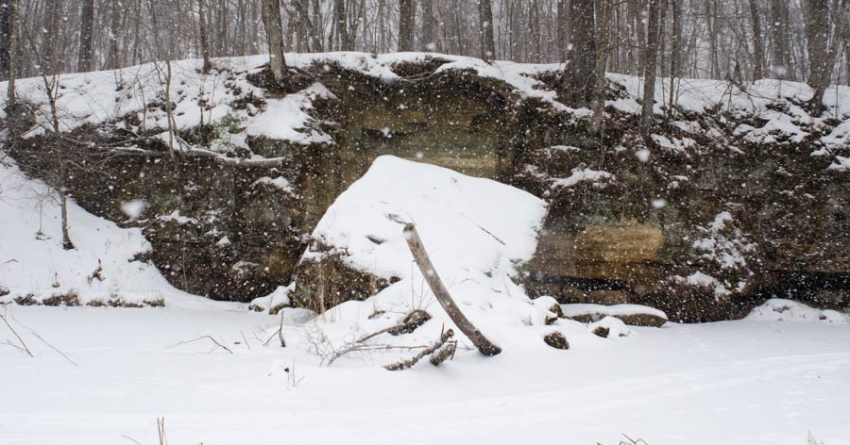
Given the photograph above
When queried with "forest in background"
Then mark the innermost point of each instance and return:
(720, 39)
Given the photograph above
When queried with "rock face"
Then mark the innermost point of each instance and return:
(722, 206)
(698, 236)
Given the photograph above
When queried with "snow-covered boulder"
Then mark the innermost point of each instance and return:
(779, 309)
(468, 225)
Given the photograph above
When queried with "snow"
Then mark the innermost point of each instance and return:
(467, 224)
(724, 245)
(286, 119)
(699, 279)
(616, 328)
(133, 209)
(279, 183)
(573, 310)
(103, 375)
(673, 145)
(583, 175)
(218, 98)
(841, 164)
(779, 309)
(760, 382)
(476, 231)
(33, 262)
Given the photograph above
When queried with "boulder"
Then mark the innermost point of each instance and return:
(557, 340)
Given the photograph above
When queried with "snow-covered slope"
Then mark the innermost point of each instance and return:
(227, 97)
(102, 269)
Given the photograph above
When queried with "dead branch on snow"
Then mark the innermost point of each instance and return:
(409, 363)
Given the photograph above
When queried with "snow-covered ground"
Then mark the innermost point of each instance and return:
(749, 382)
(104, 375)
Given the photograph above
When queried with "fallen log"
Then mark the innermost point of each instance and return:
(478, 339)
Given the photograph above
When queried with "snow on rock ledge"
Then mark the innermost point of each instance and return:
(630, 314)
(469, 225)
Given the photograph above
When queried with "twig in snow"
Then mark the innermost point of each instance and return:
(280, 332)
(160, 429)
(23, 347)
(35, 334)
(484, 230)
(266, 343)
(632, 441)
(412, 321)
(246, 340)
(404, 364)
(131, 439)
(208, 337)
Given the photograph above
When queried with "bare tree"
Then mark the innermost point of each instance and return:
(651, 60)
(205, 42)
(603, 26)
(341, 16)
(86, 56)
(7, 34)
(274, 33)
(758, 41)
(115, 34)
(578, 78)
(563, 25)
(488, 40)
(432, 32)
(821, 54)
(9, 61)
(406, 24)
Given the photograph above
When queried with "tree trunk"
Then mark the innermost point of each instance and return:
(7, 30)
(115, 35)
(636, 10)
(563, 25)
(488, 39)
(274, 33)
(341, 24)
(432, 40)
(821, 58)
(534, 52)
(63, 197)
(406, 24)
(578, 80)
(758, 41)
(13, 115)
(675, 50)
(651, 58)
(603, 29)
(779, 63)
(442, 294)
(85, 61)
(50, 34)
(205, 41)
